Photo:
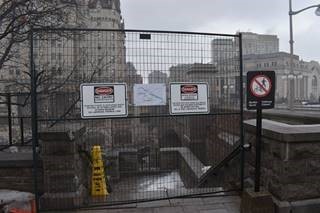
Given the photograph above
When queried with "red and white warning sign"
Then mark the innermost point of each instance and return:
(189, 98)
(103, 100)
(260, 86)
(260, 89)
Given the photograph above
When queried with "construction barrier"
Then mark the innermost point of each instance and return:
(98, 180)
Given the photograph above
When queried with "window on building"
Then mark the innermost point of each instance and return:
(314, 82)
(59, 71)
(53, 69)
(100, 59)
(53, 43)
(314, 86)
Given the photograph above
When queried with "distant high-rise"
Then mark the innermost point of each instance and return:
(257, 44)
(157, 77)
(223, 48)
(252, 44)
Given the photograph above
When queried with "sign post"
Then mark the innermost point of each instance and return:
(260, 95)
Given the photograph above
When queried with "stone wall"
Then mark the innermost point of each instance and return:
(290, 159)
(16, 172)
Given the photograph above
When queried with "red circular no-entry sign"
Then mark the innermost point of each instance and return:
(260, 86)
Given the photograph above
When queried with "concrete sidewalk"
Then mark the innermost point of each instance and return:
(223, 204)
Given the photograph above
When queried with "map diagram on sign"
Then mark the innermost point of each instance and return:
(149, 94)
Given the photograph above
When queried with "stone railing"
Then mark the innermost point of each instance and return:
(290, 160)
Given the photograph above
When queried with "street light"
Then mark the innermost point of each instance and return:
(292, 13)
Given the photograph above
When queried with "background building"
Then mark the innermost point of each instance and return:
(261, 52)
(252, 43)
(157, 77)
(306, 74)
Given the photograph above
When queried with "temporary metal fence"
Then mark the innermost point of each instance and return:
(150, 154)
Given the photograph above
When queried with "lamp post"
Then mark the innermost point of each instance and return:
(291, 95)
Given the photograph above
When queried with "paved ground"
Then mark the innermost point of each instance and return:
(225, 204)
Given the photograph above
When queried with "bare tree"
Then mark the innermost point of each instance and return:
(18, 16)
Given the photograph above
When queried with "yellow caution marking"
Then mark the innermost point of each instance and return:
(98, 180)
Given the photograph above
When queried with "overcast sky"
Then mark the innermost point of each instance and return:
(229, 16)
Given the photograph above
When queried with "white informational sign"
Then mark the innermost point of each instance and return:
(189, 98)
(102, 100)
(149, 94)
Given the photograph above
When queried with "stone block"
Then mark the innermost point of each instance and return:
(199, 149)
(58, 148)
(62, 132)
(313, 167)
(128, 161)
(112, 166)
(59, 201)
(294, 191)
(63, 162)
(187, 175)
(20, 179)
(60, 181)
(303, 206)
(257, 202)
(169, 160)
(304, 150)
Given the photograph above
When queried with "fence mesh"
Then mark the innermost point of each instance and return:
(149, 154)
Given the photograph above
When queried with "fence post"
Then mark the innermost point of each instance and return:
(242, 163)
(34, 123)
(9, 117)
(21, 131)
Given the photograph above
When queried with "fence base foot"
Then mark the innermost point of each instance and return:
(256, 202)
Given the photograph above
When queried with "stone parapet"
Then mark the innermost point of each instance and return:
(16, 172)
(65, 174)
(290, 159)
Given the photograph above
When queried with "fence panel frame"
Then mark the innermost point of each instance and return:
(34, 95)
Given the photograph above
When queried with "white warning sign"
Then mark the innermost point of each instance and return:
(189, 98)
(99, 100)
